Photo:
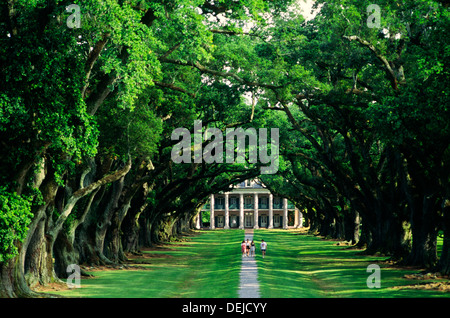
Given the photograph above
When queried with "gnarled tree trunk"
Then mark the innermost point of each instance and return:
(444, 261)
(424, 231)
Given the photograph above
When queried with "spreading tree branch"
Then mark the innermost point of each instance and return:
(173, 87)
(92, 58)
(228, 32)
(207, 70)
(389, 71)
(68, 207)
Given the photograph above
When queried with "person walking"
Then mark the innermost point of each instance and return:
(263, 247)
(243, 247)
(248, 248)
(252, 249)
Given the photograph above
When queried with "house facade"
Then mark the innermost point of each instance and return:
(251, 205)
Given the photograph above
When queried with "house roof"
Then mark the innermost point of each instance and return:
(249, 186)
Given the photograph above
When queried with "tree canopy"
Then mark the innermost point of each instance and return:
(358, 93)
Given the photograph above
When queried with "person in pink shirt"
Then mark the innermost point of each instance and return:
(243, 248)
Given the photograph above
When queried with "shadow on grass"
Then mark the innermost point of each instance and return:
(207, 265)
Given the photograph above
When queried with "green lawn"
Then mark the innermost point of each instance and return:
(307, 266)
(204, 266)
(207, 265)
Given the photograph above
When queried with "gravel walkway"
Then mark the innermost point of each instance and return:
(249, 286)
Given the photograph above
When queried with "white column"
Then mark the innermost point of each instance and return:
(295, 217)
(241, 210)
(270, 211)
(255, 213)
(285, 214)
(300, 219)
(211, 217)
(227, 213)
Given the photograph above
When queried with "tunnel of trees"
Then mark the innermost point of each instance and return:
(87, 113)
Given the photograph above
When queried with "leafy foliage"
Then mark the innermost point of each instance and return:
(15, 216)
(362, 112)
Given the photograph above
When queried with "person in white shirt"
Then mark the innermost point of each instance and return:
(263, 248)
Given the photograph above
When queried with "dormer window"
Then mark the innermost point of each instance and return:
(248, 183)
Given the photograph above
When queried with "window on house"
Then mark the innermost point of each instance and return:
(277, 203)
(219, 203)
(248, 202)
(263, 203)
(233, 203)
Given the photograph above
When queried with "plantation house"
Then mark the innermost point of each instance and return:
(250, 205)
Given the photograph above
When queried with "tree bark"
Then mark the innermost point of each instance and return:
(12, 272)
(131, 226)
(444, 260)
(34, 265)
(424, 231)
(12, 280)
(39, 257)
(104, 222)
(387, 232)
(36, 258)
(352, 226)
